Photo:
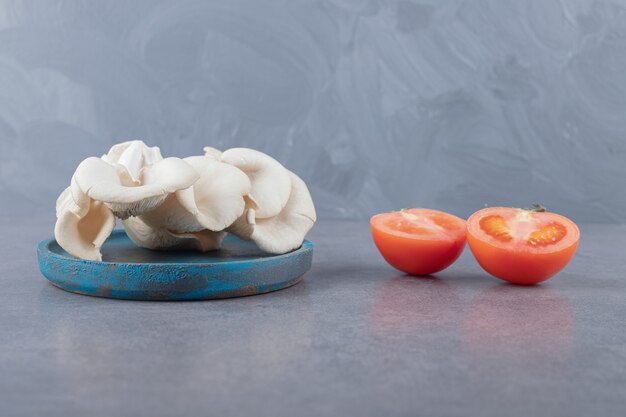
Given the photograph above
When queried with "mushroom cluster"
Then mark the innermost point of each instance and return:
(189, 203)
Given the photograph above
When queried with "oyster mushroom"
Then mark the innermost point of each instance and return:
(133, 156)
(108, 183)
(213, 202)
(163, 239)
(173, 203)
(285, 231)
(82, 225)
(270, 181)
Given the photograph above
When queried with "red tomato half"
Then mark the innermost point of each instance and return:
(521, 246)
(419, 241)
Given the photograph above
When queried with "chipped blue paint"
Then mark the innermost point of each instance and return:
(130, 272)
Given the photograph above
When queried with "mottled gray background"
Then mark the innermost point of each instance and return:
(376, 104)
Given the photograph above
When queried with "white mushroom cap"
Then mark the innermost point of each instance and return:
(82, 229)
(133, 156)
(101, 181)
(171, 215)
(212, 153)
(270, 181)
(214, 201)
(163, 239)
(218, 196)
(81, 199)
(286, 231)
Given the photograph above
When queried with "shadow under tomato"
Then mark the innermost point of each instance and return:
(409, 304)
(518, 321)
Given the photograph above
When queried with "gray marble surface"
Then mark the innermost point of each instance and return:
(354, 338)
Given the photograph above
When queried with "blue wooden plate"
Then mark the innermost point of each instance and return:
(130, 272)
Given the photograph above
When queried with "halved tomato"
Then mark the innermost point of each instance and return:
(419, 241)
(521, 246)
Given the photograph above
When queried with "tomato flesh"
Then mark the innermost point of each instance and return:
(419, 241)
(521, 246)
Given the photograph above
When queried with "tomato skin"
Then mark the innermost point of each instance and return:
(416, 256)
(522, 266)
(519, 268)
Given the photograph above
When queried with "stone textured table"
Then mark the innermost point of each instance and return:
(354, 338)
